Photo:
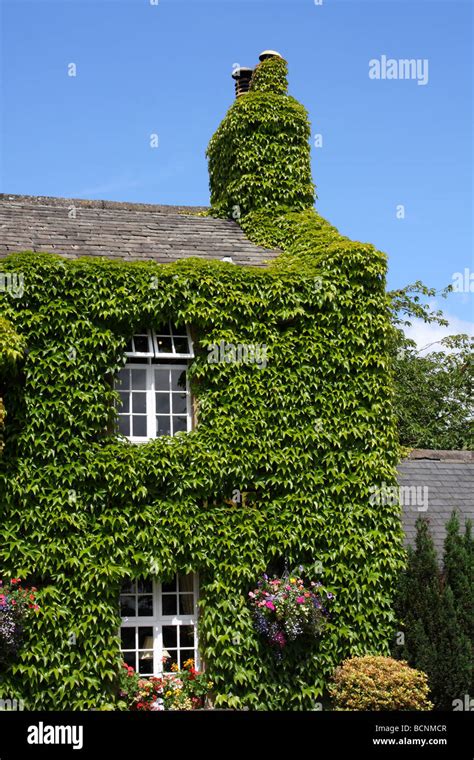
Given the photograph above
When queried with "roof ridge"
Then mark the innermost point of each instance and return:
(55, 201)
(442, 455)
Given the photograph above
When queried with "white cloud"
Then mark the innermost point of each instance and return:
(425, 334)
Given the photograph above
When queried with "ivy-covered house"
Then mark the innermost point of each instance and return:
(199, 396)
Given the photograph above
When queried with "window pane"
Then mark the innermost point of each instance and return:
(129, 658)
(186, 635)
(164, 344)
(139, 403)
(145, 606)
(127, 638)
(163, 329)
(124, 425)
(169, 585)
(186, 654)
(169, 662)
(162, 403)
(124, 403)
(169, 606)
(145, 664)
(186, 582)
(139, 427)
(128, 587)
(127, 606)
(186, 604)
(163, 426)
(169, 636)
(180, 425)
(123, 379)
(138, 379)
(162, 379)
(141, 344)
(181, 345)
(145, 637)
(145, 586)
(178, 379)
(179, 403)
(181, 331)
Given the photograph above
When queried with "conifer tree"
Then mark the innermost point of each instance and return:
(459, 576)
(418, 603)
(451, 671)
(435, 613)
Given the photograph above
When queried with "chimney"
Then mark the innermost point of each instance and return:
(242, 77)
(259, 157)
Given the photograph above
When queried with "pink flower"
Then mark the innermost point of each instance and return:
(270, 605)
(251, 595)
(300, 599)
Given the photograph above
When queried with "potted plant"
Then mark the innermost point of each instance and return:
(184, 689)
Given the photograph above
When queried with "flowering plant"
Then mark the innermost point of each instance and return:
(285, 608)
(16, 604)
(183, 689)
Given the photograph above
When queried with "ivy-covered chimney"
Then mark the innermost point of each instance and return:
(259, 157)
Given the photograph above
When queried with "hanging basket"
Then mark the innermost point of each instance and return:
(287, 607)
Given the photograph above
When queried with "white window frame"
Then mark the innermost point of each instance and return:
(154, 359)
(158, 620)
(153, 350)
(149, 391)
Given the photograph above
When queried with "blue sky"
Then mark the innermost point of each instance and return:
(164, 68)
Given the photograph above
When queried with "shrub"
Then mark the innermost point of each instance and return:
(379, 683)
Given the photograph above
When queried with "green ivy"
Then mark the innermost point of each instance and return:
(304, 438)
(11, 352)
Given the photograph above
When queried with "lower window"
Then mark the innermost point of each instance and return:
(159, 623)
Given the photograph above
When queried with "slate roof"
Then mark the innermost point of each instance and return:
(449, 480)
(130, 231)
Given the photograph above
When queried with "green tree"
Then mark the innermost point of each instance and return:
(459, 577)
(433, 399)
(450, 676)
(418, 603)
(433, 395)
(435, 617)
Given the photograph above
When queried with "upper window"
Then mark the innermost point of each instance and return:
(166, 342)
(155, 398)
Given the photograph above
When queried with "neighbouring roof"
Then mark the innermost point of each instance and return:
(130, 231)
(445, 483)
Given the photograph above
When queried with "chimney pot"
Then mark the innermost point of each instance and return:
(269, 54)
(242, 77)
